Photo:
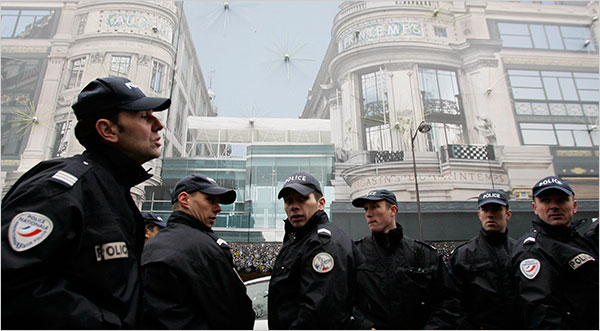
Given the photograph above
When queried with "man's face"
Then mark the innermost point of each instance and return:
(494, 217)
(138, 135)
(151, 231)
(555, 207)
(300, 209)
(380, 217)
(204, 207)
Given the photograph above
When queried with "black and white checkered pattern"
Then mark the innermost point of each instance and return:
(471, 152)
(388, 156)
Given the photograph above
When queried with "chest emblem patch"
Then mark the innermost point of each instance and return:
(579, 260)
(28, 229)
(530, 268)
(323, 262)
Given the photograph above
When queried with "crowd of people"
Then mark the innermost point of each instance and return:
(78, 254)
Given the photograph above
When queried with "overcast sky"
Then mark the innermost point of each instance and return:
(241, 52)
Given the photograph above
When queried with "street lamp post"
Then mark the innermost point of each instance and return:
(423, 128)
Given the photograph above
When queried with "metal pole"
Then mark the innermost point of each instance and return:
(412, 145)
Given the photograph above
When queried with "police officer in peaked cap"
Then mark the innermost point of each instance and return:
(72, 236)
(152, 224)
(481, 269)
(313, 280)
(188, 272)
(402, 283)
(555, 268)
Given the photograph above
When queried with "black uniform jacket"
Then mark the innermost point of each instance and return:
(557, 274)
(481, 270)
(190, 281)
(313, 279)
(72, 239)
(402, 284)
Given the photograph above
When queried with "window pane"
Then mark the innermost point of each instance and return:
(8, 25)
(552, 88)
(565, 138)
(512, 28)
(576, 44)
(538, 137)
(575, 32)
(536, 126)
(582, 138)
(25, 24)
(539, 36)
(516, 41)
(587, 83)
(525, 81)
(567, 85)
(554, 37)
(528, 93)
(588, 95)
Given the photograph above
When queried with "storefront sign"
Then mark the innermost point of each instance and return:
(454, 176)
(139, 23)
(369, 32)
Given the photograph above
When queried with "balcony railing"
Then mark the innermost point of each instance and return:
(468, 152)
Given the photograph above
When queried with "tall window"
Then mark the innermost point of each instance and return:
(543, 36)
(60, 140)
(375, 116)
(441, 107)
(555, 107)
(76, 69)
(158, 71)
(119, 66)
(27, 24)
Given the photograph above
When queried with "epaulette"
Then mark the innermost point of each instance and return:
(324, 235)
(457, 247)
(426, 245)
(529, 239)
(70, 174)
(324, 232)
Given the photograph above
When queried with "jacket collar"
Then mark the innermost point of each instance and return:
(320, 217)
(494, 237)
(557, 231)
(122, 167)
(390, 239)
(184, 218)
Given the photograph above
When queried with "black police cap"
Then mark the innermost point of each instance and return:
(104, 95)
(492, 196)
(375, 195)
(301, 182)
(551, 183)
(200, 183)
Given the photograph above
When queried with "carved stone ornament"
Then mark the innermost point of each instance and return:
(97, 57)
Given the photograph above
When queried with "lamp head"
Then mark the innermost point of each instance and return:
(424, 127)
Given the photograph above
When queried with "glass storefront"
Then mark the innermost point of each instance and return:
(257, 215)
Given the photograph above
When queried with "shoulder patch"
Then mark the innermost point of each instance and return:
(323, 262)
(579, 260)
(530, 268)
(28, 229)
(324, 232)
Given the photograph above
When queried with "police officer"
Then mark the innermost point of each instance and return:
(402, 283)
(481, 269)
(153, 224)
(188, 273)
(556, 269)
(72, 235)
(313, 280)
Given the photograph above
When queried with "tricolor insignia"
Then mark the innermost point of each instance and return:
(530, 268)
(28, 229)
(323, 262)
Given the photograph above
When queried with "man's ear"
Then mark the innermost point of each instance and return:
(107, 130)
(184, 199)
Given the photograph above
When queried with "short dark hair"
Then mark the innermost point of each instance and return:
(318, 195)
(85, 129)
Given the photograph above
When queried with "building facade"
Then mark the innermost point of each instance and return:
(51, 50)
(509, 88)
